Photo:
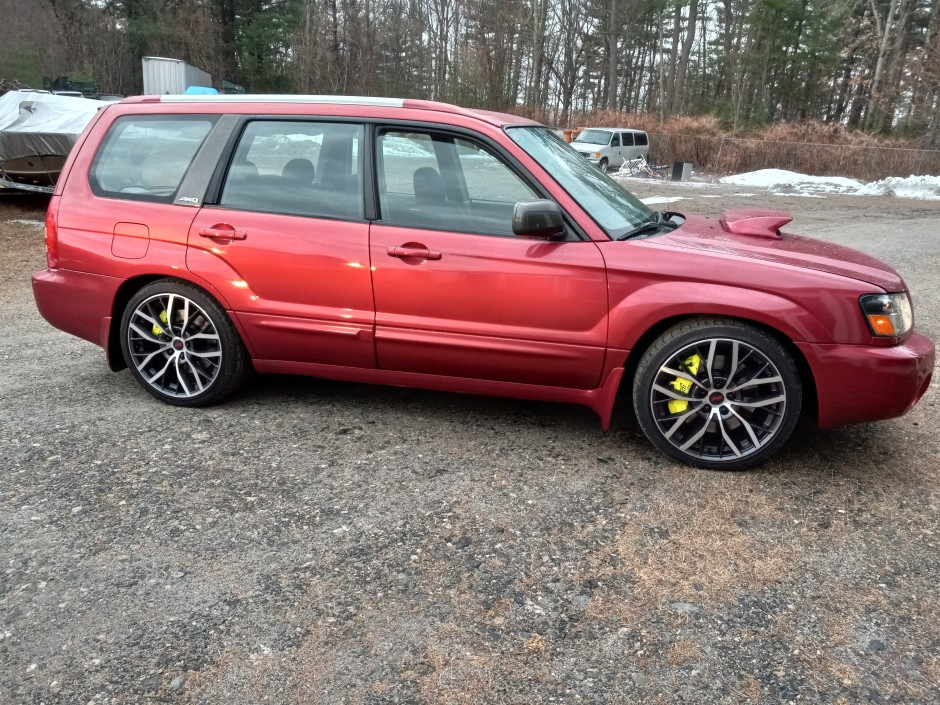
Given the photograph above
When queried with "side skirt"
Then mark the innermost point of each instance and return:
(600, 400)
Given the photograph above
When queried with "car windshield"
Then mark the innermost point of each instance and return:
(612, 208)
(593, 137)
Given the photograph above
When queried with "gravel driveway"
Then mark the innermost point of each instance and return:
(320, 542)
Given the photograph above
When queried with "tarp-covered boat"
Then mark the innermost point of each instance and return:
(37, 131)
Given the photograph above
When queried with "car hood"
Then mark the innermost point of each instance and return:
(757, 235)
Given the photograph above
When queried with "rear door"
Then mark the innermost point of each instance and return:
(642, 144)
(456, 293)
(286, 242)
(629, 150)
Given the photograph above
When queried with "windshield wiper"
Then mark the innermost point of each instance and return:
(658, 221)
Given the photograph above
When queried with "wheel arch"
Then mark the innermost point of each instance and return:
(122, 297)
(807, 380)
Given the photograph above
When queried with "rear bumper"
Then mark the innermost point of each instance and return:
(868, 383)
(76, 302)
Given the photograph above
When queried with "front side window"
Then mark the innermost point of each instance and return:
(612, 208)
(297, 168)
(441, 182)
(145, 157)
(615, 141)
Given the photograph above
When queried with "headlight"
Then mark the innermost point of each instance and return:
(597, 155)
(888, 315)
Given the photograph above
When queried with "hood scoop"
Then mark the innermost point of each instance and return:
(755, 222)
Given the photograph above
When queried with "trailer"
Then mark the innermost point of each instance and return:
(171, 76)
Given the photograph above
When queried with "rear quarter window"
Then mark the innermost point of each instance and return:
(641, 139)
(145, 157)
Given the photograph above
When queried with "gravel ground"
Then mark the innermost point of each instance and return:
(320, 542)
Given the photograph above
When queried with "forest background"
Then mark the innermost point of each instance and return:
(829, 86)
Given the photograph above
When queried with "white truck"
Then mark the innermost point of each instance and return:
(171, 76)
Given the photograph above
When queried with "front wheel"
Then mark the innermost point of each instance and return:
(604, 165)
(180, 344)
(717, 394)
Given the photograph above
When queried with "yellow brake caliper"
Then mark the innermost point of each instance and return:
(157, 330)
(684, 386)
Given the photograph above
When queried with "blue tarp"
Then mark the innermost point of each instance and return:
(201, 90)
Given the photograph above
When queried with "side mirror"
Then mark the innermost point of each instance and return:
(540, 219)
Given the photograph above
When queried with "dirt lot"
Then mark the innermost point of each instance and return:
(318, 542)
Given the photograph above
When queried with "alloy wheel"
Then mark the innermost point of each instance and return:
(174, 345)
(718, 400)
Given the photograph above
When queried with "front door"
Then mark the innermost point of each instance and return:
(616, 153)
(456, 293)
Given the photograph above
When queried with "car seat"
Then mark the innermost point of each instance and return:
(299, 172)
(429, 186)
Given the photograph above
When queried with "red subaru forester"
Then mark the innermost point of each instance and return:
(196, 238)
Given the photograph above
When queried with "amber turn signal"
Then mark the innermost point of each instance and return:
(882, 325)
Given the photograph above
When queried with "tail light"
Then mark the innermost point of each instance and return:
(52, 236)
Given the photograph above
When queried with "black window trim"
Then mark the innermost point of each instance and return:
(372, 128)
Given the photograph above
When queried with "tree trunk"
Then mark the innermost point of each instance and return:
(612, 58)
(874, 95)
(669, 72)
(678, 91)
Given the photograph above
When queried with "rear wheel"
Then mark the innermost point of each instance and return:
(717, 394)
(180, 344)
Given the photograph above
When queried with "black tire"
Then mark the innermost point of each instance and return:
(604, 165)
(694, 407)
(180, 344)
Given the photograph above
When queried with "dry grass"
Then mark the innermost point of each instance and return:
(683, 651)
(809, 147)
(706, 550)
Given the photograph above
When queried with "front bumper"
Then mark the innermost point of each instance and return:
(589, 156)
(856, 383)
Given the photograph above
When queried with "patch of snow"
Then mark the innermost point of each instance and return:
(403, 147)
(780, 179)
(925, 188)
(789, 183)
(655, 200)
(34, 223)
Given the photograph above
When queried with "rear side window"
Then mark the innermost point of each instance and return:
(297, 168)
(641, 139)
(145, 157)
(627, 139)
